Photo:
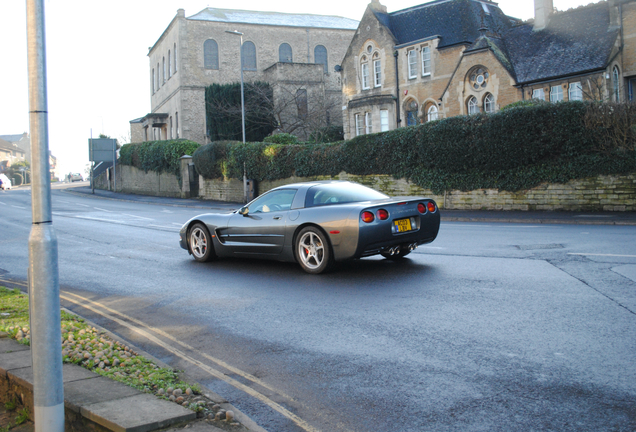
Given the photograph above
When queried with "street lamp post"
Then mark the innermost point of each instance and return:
(236, 32)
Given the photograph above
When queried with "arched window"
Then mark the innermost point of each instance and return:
(432, 113)
(320, 57)
(473, 107)
(411, 113)
(285, 53)
(616, 83)
(249, 56)
(377, 70)
(489, 103)
(211, 54)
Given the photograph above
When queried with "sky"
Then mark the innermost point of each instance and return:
(97, 64)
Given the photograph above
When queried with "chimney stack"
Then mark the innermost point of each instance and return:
(377, 6)
(614, 15)
(542, 11)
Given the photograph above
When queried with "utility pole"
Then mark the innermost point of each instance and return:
(44, 284)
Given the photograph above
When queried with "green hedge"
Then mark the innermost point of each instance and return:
(512, 150)
(159, 156)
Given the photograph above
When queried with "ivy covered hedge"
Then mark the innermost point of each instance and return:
(159, 156)
(512, 150)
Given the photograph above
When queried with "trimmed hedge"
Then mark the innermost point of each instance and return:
(159, 156)
(512, 150)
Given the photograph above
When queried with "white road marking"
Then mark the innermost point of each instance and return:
(83, 205)
(216, 373)
(166, 211)
(163, 226)
(177, 223)
(605, 255)
(3, 203)
(138, 217)
(101, 219)
(23, 208)
(101, 209)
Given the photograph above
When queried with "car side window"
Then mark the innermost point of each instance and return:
(279, 200)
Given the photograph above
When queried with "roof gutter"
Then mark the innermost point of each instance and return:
(547, 80)
(417, 41)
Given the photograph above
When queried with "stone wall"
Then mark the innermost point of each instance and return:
(603, 193)
(135, 181)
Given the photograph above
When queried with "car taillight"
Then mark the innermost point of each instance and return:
(382, 214)
(421, 208)
(367, 217)
(431, 206)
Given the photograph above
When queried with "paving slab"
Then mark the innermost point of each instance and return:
(139, 413)
(70, 373)
(81, 393)
(8, 345)
(14, 360)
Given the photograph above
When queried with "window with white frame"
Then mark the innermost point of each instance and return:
(489, 103)
(575, 92)
(368, 123)
(616, 84)
(538, 94)
(473, 106)
(432, 113)
(412, 58)
(556, 93)
(384, 120)
(377, 73)
(365, 76)
(359, 125)
(426, 61)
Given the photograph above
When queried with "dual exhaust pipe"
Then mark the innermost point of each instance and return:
(396, 249)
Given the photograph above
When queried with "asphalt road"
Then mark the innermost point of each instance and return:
(493, 327)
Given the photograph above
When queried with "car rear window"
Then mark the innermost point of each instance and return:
(330, 194)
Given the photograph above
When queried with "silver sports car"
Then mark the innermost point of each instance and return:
(315, 224)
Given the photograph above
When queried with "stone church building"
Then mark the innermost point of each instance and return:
(454, 57)
(194, 52)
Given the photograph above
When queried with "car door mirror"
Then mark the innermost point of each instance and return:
(244, 211)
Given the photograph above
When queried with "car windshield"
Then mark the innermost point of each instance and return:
(277, 200)
(340, 193)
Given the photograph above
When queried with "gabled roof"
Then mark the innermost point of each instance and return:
(454, 21)
(12, 138)
(275, 19)
(575, 41)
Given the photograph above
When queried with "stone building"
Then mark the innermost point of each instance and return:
(452, 57)
(22, 141)
(197, 51)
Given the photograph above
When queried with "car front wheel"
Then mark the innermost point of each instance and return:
(200, 243)
(313, 251)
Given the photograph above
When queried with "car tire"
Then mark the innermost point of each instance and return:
(313, 251)
(200, 243)
(404, 251)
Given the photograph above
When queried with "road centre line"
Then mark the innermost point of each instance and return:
(218, 374)
(605, 255)
(101, 209)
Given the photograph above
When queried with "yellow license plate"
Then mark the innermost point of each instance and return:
(402, 225)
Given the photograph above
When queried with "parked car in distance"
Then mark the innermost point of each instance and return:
(76, 177)
(6, 183)
(315, 224)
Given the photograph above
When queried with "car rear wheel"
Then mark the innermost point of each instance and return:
(200, 243)
(313, 251)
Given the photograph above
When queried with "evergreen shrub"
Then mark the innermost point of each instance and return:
(159, 156)
(512, 150)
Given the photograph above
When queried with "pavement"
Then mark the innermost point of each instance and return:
(91, 399)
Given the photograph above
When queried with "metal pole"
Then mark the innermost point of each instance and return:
(44, 286)
(114, 166)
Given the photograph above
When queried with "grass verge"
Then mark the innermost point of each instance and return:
(86, 346)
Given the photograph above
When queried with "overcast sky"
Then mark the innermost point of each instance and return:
(97, 64)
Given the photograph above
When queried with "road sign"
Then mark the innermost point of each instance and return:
(102, 149)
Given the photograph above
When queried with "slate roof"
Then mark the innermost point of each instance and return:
(575, 41)
(275, 18)
(454, 21)
(11, 138)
